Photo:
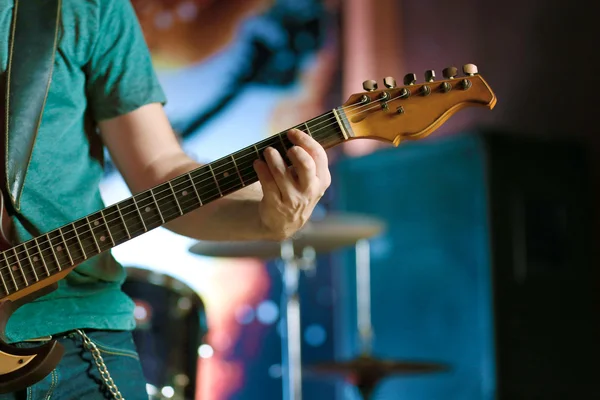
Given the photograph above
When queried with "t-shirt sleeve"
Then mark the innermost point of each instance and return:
(120, 74)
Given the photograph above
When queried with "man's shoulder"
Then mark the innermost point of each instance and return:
(93, 11)
(86, 21)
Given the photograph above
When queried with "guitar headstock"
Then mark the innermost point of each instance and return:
(414, 110)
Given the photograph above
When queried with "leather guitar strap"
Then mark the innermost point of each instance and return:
(32, 48)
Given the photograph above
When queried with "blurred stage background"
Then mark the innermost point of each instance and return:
(237, 71)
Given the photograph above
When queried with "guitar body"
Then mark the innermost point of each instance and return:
(20, 368)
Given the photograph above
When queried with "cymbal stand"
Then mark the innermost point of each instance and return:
(365, 384)
(363, 296)
(291, 337)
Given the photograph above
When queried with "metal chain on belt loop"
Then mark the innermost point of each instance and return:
(108, 381)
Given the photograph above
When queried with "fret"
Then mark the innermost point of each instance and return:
(237, 170)
(139, 213)
(162, 219)
(150, 213)
(59, 248)
(3, 280)
(42, 256)
(110, 236)
(100, 232)
(329, 133)
(175, 197)
(31, 263)
(283, 145)
(215, 178)
(62, 237)
(53, 252)
(185, 200)
(14, 249)
(224, 171)
(307, 129)
(244, 160)
(189, 175)
(167, 202)
(123, 220)
(79, 242)
(257, 152)
(116, 228)
(206, 185)
(93, 235)
(12, 277)
(133, 221)
(284, 148)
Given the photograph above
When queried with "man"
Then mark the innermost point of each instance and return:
(103, 78)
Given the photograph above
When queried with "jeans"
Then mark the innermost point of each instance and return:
(77, 376)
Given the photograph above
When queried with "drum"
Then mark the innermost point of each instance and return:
(171, 326)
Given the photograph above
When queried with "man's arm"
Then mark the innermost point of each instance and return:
(144, 148)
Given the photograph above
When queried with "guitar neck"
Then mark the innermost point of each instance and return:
(64, 248)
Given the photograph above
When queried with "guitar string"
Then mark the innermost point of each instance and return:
(209, 174)
(18, 259)
(96, 245)
(25, 275)
(93, 245)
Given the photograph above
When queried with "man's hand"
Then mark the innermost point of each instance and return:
(290, 194)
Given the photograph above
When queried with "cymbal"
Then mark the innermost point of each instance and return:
(365, 372)
(323, 235)
(369, 366)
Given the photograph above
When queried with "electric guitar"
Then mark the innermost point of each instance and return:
(33, 268)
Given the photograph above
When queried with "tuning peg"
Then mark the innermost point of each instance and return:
(389, 82)
(450, 72)
(410, 79)
(370, 85)
(429, 75)
(470, 69)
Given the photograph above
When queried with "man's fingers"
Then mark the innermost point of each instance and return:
(279, 172)
(304, 166)
(316, 151)
(269, 186)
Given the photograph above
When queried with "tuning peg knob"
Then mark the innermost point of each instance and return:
(450, 72)
(389, 82)
(470, 69)
(429, 75)
(410, 79)
(370, 85)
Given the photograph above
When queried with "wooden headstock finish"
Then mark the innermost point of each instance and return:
(415, 110)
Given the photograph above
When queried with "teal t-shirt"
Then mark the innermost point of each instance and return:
(102, 69)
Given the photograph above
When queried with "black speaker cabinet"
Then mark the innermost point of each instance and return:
(488, 265)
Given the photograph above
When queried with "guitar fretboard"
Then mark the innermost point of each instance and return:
(69, 245)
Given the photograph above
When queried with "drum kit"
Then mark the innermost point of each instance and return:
(297, 255)
(168, 356)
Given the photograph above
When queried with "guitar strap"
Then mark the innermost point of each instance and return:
(32, 48)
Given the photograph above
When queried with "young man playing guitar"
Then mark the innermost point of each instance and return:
(104, 90)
